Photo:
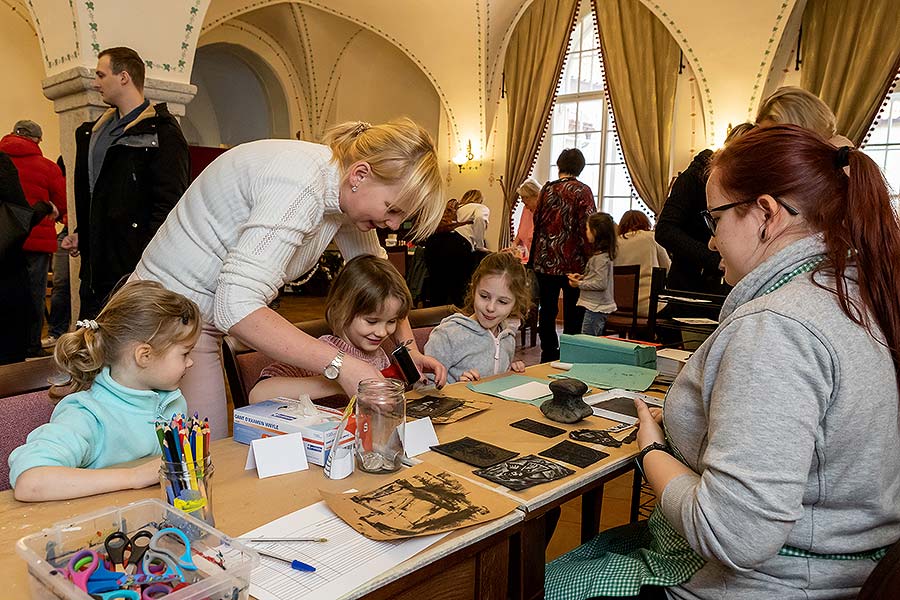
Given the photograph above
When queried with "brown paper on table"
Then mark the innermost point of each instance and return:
(421, 500)
(469, 408)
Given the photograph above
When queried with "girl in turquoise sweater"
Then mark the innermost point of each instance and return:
(126, 367)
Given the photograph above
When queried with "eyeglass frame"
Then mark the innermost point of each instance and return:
(711, 223)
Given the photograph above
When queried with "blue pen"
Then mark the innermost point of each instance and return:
(295, 564)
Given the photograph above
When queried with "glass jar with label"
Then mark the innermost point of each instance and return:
(380, 424)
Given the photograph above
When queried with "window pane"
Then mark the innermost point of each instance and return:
(590, 115)
(617, 206)
(588, 33)
(564, 117)
(558, 143)
(892, 169)
(589, 144)
(570, 74)
(879, 133)
(590, 176)
(590, 78)
(616, 181)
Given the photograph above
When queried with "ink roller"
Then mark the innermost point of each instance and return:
(402, 367)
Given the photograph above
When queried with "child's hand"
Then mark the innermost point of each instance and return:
(573, 281)
(145, 475)
(517, 367)
(470, 375)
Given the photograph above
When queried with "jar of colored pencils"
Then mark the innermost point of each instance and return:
(187, 485)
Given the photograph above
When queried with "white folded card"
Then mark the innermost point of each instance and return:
(420, 437)
(277, 455)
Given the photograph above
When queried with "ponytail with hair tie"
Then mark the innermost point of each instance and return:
(87, 324)
(842, 159)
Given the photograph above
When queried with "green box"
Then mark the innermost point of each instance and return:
(583, 348)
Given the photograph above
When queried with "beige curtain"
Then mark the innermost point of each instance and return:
(534, 61)
(851, 53)
(641, 62)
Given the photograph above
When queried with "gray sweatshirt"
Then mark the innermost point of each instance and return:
(788, 416)
(597, 286)
(460, 343)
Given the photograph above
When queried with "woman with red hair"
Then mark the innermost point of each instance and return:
(776, 458)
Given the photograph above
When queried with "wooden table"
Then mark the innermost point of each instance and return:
(497, 560)
(492, 426)
(469, 563)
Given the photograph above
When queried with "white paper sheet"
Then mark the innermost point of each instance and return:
(343, 563)
(528, 391)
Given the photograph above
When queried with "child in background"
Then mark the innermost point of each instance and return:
(126, 367)
(366, 300)
(596, 284)
(479, 341)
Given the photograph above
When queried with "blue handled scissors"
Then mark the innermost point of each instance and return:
(174, 564)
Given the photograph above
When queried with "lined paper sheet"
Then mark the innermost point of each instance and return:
(343, 563)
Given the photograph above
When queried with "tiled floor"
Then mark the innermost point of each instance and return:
(616, 494)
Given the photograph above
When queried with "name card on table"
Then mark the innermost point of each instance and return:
(277, 455)
(420, 437)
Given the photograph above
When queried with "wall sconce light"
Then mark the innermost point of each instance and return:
(463, 159)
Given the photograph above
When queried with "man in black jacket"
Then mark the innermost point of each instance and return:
(131, 167)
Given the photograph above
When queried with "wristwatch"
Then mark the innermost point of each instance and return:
(333, 370)
(639, 459)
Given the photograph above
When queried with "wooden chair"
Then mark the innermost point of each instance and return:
(626, 281)
(244, 364)
(657, 285)
(24, 405)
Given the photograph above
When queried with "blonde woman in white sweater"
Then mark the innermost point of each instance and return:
(637, 246)
(262, 214)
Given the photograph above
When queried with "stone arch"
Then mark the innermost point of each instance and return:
(240, 98)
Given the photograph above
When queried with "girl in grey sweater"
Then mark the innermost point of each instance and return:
(596, 284)
(480, 341)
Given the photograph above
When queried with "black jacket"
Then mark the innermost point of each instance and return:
(681, 231)
(144, 173)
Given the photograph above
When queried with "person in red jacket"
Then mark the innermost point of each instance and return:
(42, 181)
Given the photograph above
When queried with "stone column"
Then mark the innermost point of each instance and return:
(75, 101)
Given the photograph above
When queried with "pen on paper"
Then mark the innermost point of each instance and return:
(282, 539)
(295, 564)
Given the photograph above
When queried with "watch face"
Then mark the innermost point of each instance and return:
(331, 372)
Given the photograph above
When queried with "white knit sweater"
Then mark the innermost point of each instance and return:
(259, 216)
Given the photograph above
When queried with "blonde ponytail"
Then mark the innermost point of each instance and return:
(140, 312)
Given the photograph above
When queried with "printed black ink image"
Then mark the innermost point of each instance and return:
(522, 473)
(427, 502)
(574, 454)
(431, 406)
(538, 428)
(473, 452)
(595, 436)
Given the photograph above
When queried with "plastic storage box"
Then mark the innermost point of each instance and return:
(49, 551)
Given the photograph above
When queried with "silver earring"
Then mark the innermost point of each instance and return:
(354, 188)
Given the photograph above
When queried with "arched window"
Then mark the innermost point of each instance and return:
(581, 119)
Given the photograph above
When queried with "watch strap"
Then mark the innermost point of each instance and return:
(639, 459)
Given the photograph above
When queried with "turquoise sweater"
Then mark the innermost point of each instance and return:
(105, 425)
